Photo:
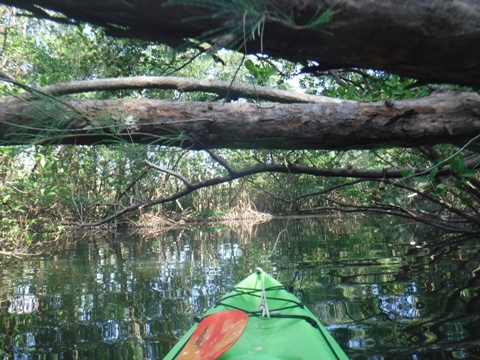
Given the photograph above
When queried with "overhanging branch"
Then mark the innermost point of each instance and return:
(388, 209)
(263, 168)
(168, 171)
(234, 90)
(452, 117)
(383, 35)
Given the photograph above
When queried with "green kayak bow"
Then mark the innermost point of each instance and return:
(279, 326)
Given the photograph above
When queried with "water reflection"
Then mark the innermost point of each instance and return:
(380, 293)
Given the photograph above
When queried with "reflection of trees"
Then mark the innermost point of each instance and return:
(425, 301)
(114, 298)
(379, 288)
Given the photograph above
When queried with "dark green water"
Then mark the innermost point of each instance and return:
(384, 289)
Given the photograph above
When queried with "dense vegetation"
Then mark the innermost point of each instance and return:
(44, 188)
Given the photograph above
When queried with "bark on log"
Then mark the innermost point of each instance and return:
(433, 40)
(452, 117)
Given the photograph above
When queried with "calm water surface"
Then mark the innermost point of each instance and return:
(383, 288)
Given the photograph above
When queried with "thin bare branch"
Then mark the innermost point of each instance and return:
(221, 161)
(439, 201)
(275, 168)
(171, 172)
(389, 209)
(233, 90)
(331, 188)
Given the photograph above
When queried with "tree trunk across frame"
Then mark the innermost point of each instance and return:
(451, 117)
(433, 40)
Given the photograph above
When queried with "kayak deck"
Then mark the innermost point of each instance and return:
(279, 325)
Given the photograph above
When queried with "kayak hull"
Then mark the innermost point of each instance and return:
(287, 330)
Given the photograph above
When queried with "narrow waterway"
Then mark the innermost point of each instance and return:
(385, 289)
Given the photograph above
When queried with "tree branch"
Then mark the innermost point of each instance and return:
(397, 211)
(331, 188)
(221, 161)
(364, 35)
(273, 168)
(234, 90)
(171, 172)
(439, 201)
(333, 125)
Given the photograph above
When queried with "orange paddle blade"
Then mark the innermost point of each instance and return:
(215, 335)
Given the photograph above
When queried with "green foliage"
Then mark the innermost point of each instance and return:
(364, 85)
(457, 166)
(407, 173)
(262, 73)
(320, 19)
(40, 53)
(67, 184)
(246, 19)
(211, 213)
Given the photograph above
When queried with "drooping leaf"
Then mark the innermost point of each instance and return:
(468, 173)
(457, 164)
(440, 189)
(433, 173)
(422, 180)
(406, 173)
(251, 67)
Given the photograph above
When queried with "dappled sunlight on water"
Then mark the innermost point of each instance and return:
(384, 289)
